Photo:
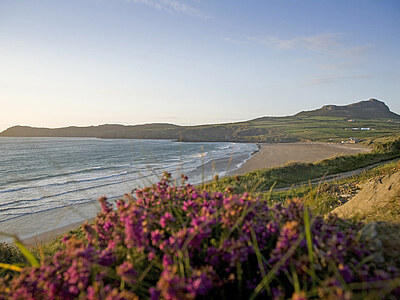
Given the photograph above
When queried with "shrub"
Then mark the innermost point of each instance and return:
(178, 242)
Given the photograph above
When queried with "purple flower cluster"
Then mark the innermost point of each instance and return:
(178, 242)
(78, 270)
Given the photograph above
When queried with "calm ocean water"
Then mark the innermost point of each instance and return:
(39, 175)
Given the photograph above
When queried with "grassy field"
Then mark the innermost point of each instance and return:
(265, 130)
(295, 128)
(323, 129)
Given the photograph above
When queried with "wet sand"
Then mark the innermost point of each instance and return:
(47, 225)
(276, 155)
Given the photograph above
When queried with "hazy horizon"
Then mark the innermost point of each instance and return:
(88, 125)
(92, 62)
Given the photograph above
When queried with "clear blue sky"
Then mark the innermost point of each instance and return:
(91, 62)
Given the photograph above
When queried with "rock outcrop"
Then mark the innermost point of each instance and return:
(361, 110)
(379, 200)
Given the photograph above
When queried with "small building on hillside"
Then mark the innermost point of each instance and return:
(351, 140)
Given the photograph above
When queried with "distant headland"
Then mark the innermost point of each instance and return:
(329, 123)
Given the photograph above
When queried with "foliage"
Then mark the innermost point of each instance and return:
(10, 255)
(179, 242)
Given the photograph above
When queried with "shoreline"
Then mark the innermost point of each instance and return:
(266, 156)
(272, 155)
(51, 223)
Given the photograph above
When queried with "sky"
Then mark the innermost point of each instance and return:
(187, 62)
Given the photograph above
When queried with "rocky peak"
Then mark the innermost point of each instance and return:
(371, 108)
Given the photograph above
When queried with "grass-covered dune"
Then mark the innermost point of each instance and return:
(181, 242)
(325, 196)
(262, 180)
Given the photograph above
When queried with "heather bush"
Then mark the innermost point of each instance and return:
(179, 242)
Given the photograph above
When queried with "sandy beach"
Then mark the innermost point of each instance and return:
(45, 226)
(276, 155)
(269, 155)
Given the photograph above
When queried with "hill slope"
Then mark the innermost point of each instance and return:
(328, 123)
(361, 110)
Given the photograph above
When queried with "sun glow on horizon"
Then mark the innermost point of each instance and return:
(190, 62)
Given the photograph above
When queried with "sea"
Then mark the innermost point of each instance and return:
(48, 183)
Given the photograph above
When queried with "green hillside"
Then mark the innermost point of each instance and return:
(330, 123)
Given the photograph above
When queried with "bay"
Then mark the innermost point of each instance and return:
(46, 183)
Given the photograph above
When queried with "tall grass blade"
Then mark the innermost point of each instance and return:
(307, 231)
(257, 252)
(264, 284)
(10, 267)
(28, 255)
